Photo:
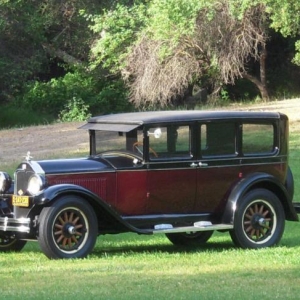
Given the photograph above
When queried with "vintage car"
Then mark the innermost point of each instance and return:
(185, 174)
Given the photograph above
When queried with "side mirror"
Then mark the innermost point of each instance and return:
(157, 133)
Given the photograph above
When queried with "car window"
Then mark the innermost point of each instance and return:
(117, 141)
(218, 139)
(258, 138)
(174, 142)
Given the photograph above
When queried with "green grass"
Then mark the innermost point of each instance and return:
(13, 116)
(129, 266)
(294, 160)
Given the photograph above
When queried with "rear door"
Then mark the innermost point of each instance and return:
(218, 164)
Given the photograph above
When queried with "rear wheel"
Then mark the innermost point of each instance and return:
(189, 238)
(68, 228)
(8, 242)
(259, 220)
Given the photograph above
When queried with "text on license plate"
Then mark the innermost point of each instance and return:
(20, 201)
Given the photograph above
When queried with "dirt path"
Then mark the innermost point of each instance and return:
(59, 140)
(42, 141)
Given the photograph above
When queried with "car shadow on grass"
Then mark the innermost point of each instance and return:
(159, 248)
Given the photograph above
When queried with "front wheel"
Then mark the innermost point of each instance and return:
(68, 228)
(259, 220)
(8, 242)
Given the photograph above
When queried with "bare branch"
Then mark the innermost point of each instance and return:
(64, 56)
(223, 43)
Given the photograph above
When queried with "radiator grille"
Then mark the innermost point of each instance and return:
(21, 181)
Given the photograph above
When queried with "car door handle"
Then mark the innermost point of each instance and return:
(201, 164)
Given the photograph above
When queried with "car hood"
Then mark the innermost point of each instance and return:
(79, 165)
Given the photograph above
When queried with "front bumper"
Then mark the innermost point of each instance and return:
(15, 225)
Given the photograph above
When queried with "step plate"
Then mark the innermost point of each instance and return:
(194, 228)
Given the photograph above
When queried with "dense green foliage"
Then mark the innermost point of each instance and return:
(59, 57)
(285, 18)
(52, 96)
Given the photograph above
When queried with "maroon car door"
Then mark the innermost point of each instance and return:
(171, 176)
(218, 166)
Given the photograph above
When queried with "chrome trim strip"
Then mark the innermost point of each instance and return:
(36, 167)
(218, 166)
(17, 225)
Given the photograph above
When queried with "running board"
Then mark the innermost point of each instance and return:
(168, 228)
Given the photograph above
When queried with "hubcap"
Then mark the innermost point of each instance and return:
(70, 230)
(259, 221)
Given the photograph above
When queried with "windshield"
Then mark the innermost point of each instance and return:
(119, 141)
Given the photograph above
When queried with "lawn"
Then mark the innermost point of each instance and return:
(129, 266)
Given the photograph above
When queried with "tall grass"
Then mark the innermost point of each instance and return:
(12, 116)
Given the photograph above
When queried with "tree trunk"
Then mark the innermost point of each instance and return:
(262, 88)
(262, 82)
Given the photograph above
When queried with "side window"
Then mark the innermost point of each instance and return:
(258, 138)
(174, 142)
(218, 139)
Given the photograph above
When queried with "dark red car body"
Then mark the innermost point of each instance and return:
(182, 173)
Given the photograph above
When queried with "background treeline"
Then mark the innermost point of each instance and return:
(68, 59)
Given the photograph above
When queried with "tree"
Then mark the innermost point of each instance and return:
(285, 18)
(183, 42)
(115, 29)
(34, 34)
(20, 55)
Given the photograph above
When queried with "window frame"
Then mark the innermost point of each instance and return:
(218, 156)
(276, 140)
(192, 149)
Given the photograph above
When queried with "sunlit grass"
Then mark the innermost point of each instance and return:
(130, 266)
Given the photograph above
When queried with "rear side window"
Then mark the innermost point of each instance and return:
(218, 139)
(258, 139)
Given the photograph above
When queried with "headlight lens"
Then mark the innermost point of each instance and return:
(35, 184)
(5, 182)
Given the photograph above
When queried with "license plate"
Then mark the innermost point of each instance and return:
(20, 201)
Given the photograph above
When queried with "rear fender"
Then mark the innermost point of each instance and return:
(258, 180)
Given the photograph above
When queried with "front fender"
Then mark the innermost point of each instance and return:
(258, 180)
(53, 192)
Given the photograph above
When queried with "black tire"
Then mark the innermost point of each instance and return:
(68, 228)
(259, 220)
(8, 242)
(189, 238)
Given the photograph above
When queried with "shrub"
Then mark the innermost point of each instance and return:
(75, 110)
(75, 91)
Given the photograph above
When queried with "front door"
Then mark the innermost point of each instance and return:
(171, 178)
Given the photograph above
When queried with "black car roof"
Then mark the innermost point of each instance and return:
(125, 122)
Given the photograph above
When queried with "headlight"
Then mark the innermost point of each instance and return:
(35, 184)
(5, 182)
